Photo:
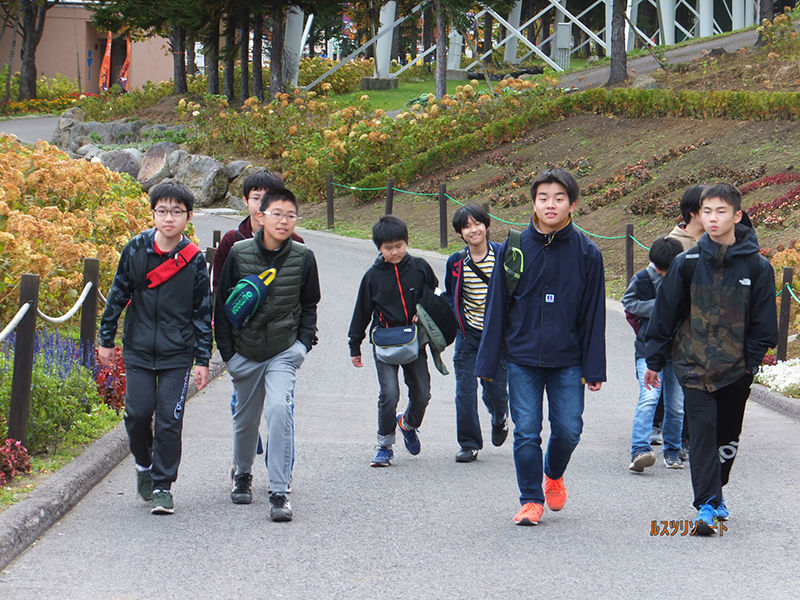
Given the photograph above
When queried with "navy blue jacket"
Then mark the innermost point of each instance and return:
(556, 317)
(454, 281)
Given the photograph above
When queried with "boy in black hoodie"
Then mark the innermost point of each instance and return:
(388, 295)
(715, 317)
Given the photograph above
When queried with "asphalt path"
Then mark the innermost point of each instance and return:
(426, 526)
(30, 129)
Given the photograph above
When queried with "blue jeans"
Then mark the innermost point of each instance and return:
(672, 426)
(495, 392)
(565, 391)
(418, 381)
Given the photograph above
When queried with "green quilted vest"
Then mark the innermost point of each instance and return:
(273, 328)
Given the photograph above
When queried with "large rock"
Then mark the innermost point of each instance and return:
(644, 82)
(204, 176)
(154, 166)
(236, 186)
(235, 168)
(174, 158)
(122, 161)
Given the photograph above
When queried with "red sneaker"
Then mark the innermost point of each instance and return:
(529, 514)
(555, 493)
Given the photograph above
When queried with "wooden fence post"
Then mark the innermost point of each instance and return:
(23, 361)
(443, 215)
(329, 199)
(91, 274)
(217, 237)
(389, 195)
(628, 254)
(783, 319)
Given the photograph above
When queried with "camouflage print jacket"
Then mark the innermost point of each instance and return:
(716, 327)
(168, 326)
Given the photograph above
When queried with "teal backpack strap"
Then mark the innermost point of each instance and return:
(513, 262)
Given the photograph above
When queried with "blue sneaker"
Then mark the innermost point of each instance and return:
(410, 437)
(706, 520)
(383, 458)
(722, 511)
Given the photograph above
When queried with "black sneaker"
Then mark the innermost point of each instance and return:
(144, 484)
(279, 508)
(242, 492)
(466, 455)
(499, 433)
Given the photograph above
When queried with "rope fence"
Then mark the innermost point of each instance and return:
(71, 312)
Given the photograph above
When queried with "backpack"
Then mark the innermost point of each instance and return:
(513, 262)
(645, 290)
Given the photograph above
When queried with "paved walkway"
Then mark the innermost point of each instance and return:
(425, 527)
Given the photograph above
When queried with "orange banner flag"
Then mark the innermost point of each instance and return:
(105, 68)
(123, 73)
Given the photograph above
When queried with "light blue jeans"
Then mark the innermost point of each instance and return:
(266, 388)
(565, 390)
(672, 428)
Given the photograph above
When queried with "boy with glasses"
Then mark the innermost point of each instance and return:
(162, 279)
(264, 354)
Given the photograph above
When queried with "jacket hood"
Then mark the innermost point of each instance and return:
(150, 235)
(746, 243)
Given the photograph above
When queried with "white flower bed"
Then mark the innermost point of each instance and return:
(783, 377)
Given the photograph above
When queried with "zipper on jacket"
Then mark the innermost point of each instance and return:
(399, 287)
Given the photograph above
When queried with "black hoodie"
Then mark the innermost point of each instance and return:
(388, 295)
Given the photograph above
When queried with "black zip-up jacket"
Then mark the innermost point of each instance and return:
(716, 327)
(388, 296)
(168, 326)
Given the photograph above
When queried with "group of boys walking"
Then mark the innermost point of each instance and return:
(705, 323)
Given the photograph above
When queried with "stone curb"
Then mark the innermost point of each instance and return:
(775, 401)
(23, 523)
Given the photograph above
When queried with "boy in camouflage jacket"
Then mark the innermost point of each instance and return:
(715, 317)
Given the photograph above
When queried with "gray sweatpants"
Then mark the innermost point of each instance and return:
(265, 388)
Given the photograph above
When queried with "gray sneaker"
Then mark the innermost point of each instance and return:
(641, 460)
(162, 503)
(144, 484)
(279, 508)
(656, 439)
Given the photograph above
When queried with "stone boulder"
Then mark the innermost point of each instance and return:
(644, 82)
(236, 186)
(203, 175)
(235, 168)
(155, 166)
(123, 161)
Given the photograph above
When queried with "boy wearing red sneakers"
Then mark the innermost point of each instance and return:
(551, 332)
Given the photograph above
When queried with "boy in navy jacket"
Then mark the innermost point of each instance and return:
(466, 283)
(167, 329)
(388, 296)
(551, 332)
(714, 317)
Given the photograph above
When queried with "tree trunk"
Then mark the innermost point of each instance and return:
(395, 51)
(33, 14)
(177, 39)
(765, 11)
(258, 55)
(487, 36)
(191, 58)
(212, 57)
(230, 55)
(619, 59)
(244, 57)
(7, 94)
(276, 51)
(441, 50)
(427, 29)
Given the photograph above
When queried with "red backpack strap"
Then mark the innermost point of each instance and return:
(169, 268)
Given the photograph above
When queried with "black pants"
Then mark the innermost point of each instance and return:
(418, 380)
(715, 419)
(160, 393)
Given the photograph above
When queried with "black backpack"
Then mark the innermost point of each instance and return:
(645, 290)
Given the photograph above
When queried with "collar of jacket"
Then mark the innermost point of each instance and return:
(151, 243)
(245, 228)
(269, 254)
(546, 238)
(382, 264)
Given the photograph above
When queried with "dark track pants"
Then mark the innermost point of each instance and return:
(715, 420)
(160, 394)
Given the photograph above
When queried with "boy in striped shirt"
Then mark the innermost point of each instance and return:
(466, 283)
